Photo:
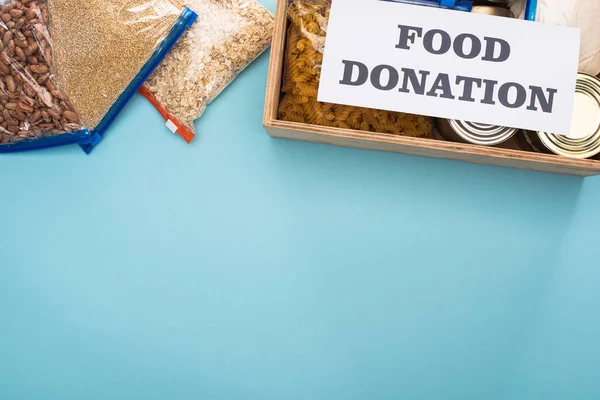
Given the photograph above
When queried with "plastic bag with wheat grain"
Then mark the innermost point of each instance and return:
(105, 50)
(302, 72)
(227, 37)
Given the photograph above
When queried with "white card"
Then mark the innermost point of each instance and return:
(450, 64)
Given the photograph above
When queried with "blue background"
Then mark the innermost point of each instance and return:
(246, 267)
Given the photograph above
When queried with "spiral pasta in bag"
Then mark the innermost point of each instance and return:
(34, 111)
(227, 37)
(304, 56)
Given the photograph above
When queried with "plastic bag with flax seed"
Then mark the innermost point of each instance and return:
(105, 50)
(227, 37)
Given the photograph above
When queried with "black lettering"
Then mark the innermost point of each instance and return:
(408, 33)
(442, 82)
(363, 73)
(444, 46)
(467, 87)
(546, 103)
(459, 44)
(490, 49)
(519, 100)
(418, 86)
(392, 79)
(489, 91)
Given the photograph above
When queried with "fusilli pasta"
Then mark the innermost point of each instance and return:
(304, 55)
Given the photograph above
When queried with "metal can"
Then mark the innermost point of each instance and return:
(493, 10)
(523, 142)
(474, 133)
(585, 125)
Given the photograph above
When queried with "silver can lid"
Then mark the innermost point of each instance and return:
(585, 128)
(482, 134)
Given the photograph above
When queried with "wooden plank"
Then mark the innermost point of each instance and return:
(276, 63)
(400, 144)
(439, 149)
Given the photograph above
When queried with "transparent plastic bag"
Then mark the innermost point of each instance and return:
(582, 14)
(227, 37)
(105, 50)
(304, 56)
(34, 111)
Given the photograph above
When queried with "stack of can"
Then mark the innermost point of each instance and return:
(583, 140)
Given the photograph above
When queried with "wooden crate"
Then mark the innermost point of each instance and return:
(399, 144)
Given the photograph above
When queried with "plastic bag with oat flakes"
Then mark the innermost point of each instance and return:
(227, 37)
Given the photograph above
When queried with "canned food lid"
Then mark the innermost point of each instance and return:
(493, 10)
(483, 134)
(584, 138)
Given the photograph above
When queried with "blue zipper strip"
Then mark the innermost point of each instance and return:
(77, 137)
(186, 19)
(530, 10)
(458, 5)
